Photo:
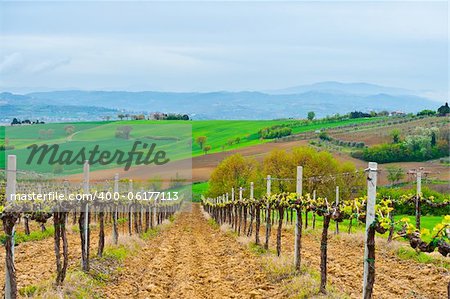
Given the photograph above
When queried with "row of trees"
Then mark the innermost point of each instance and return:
(318, 166)
(276, 131)
(424, 144)
(16, 121)
(154, 116)
(325, 137)
(441, 111)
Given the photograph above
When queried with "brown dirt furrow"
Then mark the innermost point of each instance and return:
(192, 260)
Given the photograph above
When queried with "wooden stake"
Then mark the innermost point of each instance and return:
(418, 196)
(369, 246)
(268, 187)
(337, 205)
(10, 279)
(298, 224)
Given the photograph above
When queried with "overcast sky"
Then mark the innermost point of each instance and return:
(204, 46)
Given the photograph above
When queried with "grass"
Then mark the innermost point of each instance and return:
(198, 189)
(20, 237)
(406, 253)
(256, 249)
(151, 233)
(28, 291)
(213, 223)
(118, 253)
(78, 285)
(426, 222)
(218, 133)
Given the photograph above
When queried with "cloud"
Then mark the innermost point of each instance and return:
(233, 45)
(11, 63)
(47, 66)
(18, 63)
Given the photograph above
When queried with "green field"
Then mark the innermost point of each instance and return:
(217, 132)
(199, 189)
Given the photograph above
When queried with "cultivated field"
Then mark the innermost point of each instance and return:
(199, 251)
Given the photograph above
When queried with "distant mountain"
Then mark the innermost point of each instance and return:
(339, 87)
(324, 98)
(24, 107)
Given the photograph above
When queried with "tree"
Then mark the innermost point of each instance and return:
(234, 172)
(324, 136)
(395, 134)
(444, 110)
(278, 164)
(15, 121)
(200, 140)
(433, 138)
(206, 149)
(395, 174)
(50, 133)
(123, 132)
(121, 116)
(426, 112)
(311, 115)
(69, 129)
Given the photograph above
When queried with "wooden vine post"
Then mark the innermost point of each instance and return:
(369, 244)
(269, 182)
(8, 226)
(84, 221)
(314, 214)
(251, 210)
(257, 222)
(115, 211)
(337, 205)
(298, 224)
(240, 210)
(418, 195)
(233, 209)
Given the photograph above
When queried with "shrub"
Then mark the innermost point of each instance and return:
(324, 136)
(277, 131)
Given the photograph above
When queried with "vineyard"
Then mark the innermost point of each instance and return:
(104, 203)
(254, 215)
(187, 258)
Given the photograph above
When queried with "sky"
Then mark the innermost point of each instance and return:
(210, 46)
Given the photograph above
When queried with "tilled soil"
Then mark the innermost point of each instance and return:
(395, 278)
(35, 261)
(193, 260)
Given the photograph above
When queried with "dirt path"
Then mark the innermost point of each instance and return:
(192, 260)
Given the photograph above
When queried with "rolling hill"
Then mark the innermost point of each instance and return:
(324, 98)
